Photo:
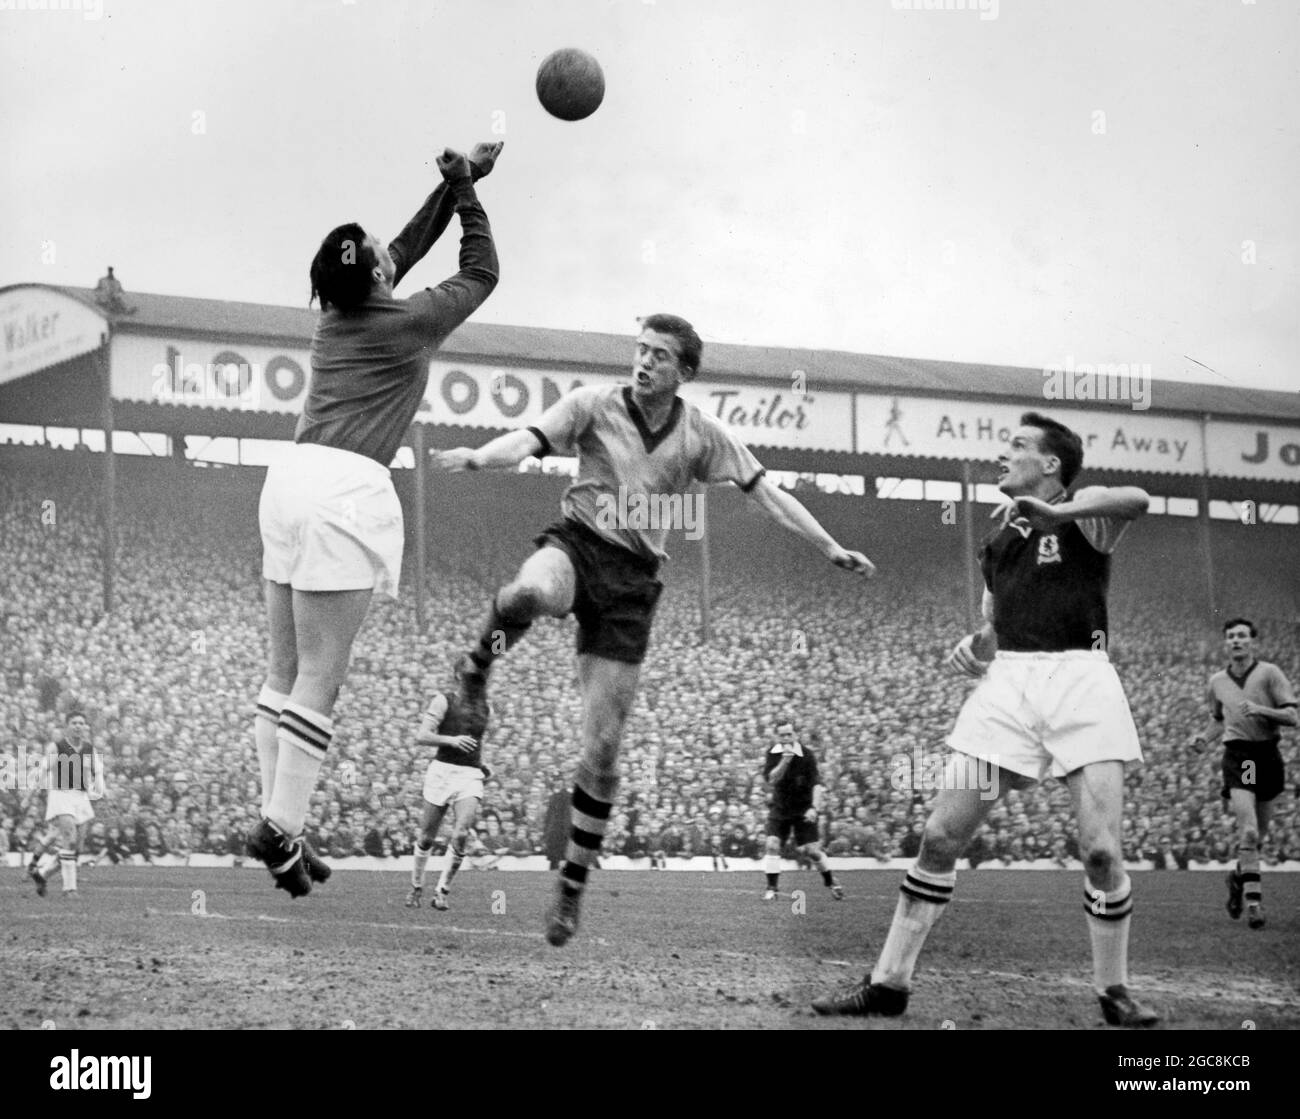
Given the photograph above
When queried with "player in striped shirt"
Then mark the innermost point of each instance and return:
(330, 519)
(1250, 700)
(641, 448)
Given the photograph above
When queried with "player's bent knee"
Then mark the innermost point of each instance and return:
(601, 750)
(939, 846)
(1100, 862)
(280, 676)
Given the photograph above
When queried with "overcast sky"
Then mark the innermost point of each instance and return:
(1102, 181)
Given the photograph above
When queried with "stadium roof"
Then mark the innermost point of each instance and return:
(537, 346)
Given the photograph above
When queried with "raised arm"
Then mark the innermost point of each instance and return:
(440, 310)
(778, 771)
(787, 511)
(409, 247)
(1125, 502)
(1094, 506)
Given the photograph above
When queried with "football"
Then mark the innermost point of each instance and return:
(570, 84)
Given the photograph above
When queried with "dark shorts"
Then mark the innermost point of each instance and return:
(615, 595)
(805, 831)
(1255, 767)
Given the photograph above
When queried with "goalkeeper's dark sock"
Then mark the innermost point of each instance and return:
(828, 878)
(502, 631)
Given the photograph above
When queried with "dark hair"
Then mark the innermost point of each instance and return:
(1058, 440)
(340, 271)
(74, 713)
(1232, 623)
(685, 334)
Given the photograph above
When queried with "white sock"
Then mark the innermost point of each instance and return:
(265, 724)
(1109, 917)
(922, 898)
(304, 736)
(68, 869)
(417, 867)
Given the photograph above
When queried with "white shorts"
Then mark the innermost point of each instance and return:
(69, 802)
(331, 521)
(1047, 714)
(445, 783)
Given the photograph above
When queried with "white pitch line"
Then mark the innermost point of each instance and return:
(99, 916)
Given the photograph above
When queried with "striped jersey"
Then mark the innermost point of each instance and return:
(1262, 683)
(370, 366)
(1049, 588)
(633, 483)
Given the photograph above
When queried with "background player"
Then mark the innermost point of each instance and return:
(72, 775)
(1250, 699)
(790, 770)
(641, 442)
(330, 519)
(453, 780)
(1050, 704)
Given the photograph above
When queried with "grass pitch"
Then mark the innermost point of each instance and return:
(155, 948)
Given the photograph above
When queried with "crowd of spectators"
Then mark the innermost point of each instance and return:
(169, 676)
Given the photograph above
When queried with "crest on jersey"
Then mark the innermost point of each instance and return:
(1049, 549)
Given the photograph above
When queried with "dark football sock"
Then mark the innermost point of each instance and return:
(500, 634)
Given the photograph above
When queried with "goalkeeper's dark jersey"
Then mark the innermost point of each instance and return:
(793, 794)
(370, 366)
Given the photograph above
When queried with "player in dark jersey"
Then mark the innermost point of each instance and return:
(453, 780)
(1249, 700)
(790, 770)
(330, 519)
(641, 448)
(1049, 704)
(72, 775)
